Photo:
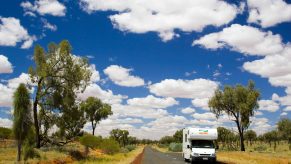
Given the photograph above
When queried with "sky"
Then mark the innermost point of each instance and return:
(157, 62)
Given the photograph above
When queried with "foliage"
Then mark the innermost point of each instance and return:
(175, 147)
(121, 136)
(76, 154)
(109, 146)
(178, 136)
(95, 111)
(238, 102)
(227, 138)
(5, 133)
(130, 147)
(28, 149)
(59, 77)
(21, 116)
(167, 140)
(284, 129)
(250, 135)
(90, 141)
(261, 148)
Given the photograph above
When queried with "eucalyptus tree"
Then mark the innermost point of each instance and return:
(239, 102)
(95, 110)
(58, 75)
(250, 135)
(21, 116)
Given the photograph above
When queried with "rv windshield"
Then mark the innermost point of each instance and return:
(202, 144)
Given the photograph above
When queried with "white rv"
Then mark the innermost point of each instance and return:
(198, 144)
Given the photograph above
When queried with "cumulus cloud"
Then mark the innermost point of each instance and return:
(44, 7)
(268, 105)
(12, 32)
(188, 110)
(121, 76)
(204, 116)
(8, 89)
(197, 88)
(268, 13)
(164, 16)
(152, 102)
(49, 26)
(5, 65)
(201, 103)
(5, 122)
(244, 39)
(94, 90)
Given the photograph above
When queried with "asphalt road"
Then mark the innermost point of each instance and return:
(152, 156)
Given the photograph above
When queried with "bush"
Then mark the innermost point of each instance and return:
(175, 147)
(109, 146)
(29, 152)
(261, 148)
(90, 141)
(76, 155)
(130, 147)
(124, 150)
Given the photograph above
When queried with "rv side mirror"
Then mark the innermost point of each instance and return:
(188, 146)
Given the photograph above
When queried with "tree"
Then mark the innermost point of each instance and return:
(238, 102)
(226, 137)
(95, 111)
(167, 140)
(90, 141)
(178, 136)
(121, 136)
(56, 74)
(250, 135)
(21, 116)
(5, 133)
(284, 129)
(272, 136)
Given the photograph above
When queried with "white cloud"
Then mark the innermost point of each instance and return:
(164, 16)
(152, 102)
(23, 78)
(245, 39)
(201, 103)
(287, 109)
(284, 114)
(260, 125)
(95, 77)
(121, 76)
(5, 65)
(133, 111)
(44, 7)
(188, 110)
(197, 88)
(94, 90)
(49, 26)
(268, 12)
(6, 96)
(204, 116)
(12, 32)
(268, 105)
(5, 122)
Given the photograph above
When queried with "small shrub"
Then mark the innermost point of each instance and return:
(76, 155)
(130, 147)
(175, 147)
(124, 150)
(260, 148)
(109, 146)
(29, 152)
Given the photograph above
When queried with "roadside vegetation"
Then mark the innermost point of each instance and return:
(48, 124)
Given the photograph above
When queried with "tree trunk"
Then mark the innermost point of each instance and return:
(36, 125)
(93, 129)
(241, 136)
(18, 151)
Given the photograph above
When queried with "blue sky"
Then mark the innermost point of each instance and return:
(157, 63)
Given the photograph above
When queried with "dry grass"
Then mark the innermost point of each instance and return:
(52, 156)
(119, 158)
(254, 157)
(161, 149)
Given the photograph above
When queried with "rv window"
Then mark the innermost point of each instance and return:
(185, 137)
(202, 144)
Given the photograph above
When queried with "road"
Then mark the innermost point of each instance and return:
(152, 156)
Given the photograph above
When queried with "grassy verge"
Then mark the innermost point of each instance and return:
(161, 149)
(254, 157)
(119, 158)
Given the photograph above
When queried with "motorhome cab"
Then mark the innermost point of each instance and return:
(198, 144)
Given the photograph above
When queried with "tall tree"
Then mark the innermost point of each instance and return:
(284, 128)
(238, 102)
(121, 136)
(250, 135)
(178, 136)
(56, 73)
(95, 111)
(21, 116)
